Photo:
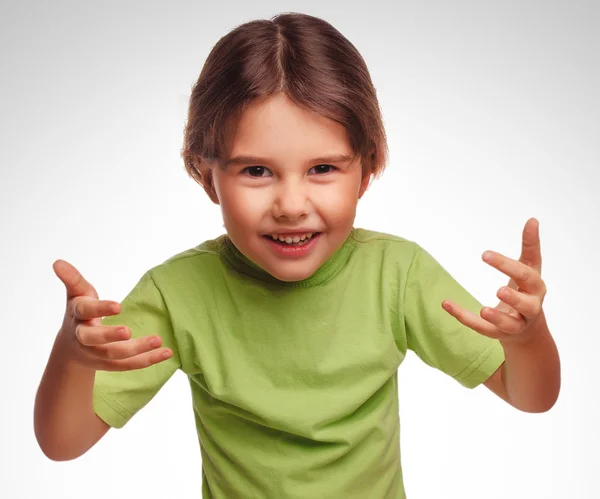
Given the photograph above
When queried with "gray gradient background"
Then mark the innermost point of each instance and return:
(492, 114)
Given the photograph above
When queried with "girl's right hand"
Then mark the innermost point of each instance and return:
(88, 342)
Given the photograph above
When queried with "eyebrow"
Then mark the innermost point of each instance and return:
(243, 159)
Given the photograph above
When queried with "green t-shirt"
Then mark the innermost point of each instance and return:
(294, 384)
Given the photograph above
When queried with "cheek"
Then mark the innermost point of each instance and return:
(339, 205)
(242, 206)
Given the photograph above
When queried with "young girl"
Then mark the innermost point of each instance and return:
(292, 325)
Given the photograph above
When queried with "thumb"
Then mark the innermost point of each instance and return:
(74, 282)
(531, 253)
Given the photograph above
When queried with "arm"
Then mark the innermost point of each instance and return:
(529, 379)
(65, 423)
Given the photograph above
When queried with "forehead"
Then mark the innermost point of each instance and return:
(278, 128)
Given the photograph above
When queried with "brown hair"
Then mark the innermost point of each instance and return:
(301, 55)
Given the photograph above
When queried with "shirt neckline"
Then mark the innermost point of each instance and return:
(325, 272)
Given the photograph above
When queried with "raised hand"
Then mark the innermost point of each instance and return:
(519, 314)
(88, 342)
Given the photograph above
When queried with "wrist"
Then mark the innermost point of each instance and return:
(536, 335)
(65, 352)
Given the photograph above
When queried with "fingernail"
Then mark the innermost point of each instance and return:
(487, 256)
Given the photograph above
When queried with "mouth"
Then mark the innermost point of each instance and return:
(295, 239)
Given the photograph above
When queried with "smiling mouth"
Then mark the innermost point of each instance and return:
(292, 240)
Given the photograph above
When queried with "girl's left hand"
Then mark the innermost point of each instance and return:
(519, 315)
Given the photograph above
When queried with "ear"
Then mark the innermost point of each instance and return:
(206, 177)
(364, 184)
(367, 174)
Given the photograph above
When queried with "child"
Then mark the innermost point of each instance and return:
(292, 325)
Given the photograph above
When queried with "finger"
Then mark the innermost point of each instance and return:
(140, 361)
(74, 282)
(524, 276)
(504, 322)
(99, 335)
(472, 320)
(126, 349)
(529, 306)
(85, 309)
(531, 252)
(512, 284)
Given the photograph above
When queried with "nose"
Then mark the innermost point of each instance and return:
(291, 201)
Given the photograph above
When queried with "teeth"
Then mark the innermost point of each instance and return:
(290, 240)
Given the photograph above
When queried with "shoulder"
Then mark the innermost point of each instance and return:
(383, 254)
(381, 242)
(206, 257)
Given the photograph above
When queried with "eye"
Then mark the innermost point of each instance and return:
(256, 171)
(322, 169)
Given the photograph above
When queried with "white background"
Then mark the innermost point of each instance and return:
(492, 113)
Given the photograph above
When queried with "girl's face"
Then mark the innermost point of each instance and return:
(291, 176)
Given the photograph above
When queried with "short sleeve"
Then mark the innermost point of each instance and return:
(118, 395)
(439, 339)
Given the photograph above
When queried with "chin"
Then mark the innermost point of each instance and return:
(293, 275)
